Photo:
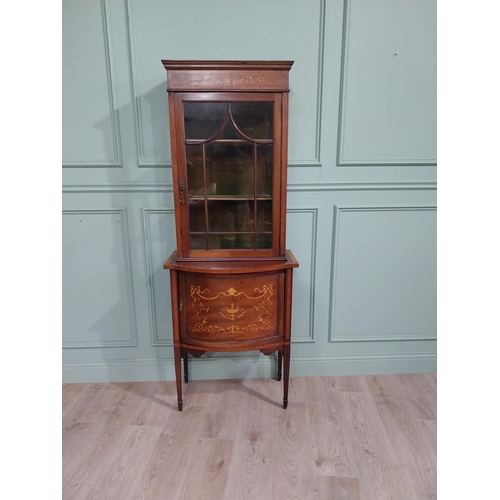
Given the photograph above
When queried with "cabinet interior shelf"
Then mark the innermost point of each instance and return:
(216, 233)
(194, 142)
(230, 198)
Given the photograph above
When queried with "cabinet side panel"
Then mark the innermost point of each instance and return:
(284, 170)
(277, 178)
(174, 132)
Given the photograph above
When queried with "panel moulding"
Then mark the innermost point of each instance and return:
(337, 211)
(312, 276)
(115, 125)
(340, 160)
(248, 367)
(363, 186)
(155, 340)
(299, 187)
(152, 299)
(118, 188)
(142, 162)
(133, 340)
(150, 163)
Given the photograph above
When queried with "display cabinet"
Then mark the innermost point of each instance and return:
(231, 276)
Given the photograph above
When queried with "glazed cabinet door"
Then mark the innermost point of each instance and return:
(229, 173)
(226, 310)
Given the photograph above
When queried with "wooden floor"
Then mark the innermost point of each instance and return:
(355, 438)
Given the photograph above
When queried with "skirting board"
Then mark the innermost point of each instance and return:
(239, 367)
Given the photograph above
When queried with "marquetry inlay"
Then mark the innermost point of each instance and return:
(260, 305)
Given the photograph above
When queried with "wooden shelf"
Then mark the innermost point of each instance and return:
(195, 142)
(230, 198)
(227, 233)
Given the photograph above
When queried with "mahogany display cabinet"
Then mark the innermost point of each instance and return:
(231, 276)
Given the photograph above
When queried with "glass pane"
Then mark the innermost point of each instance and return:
(254, 119)
(197, 220)
(265, 170)
(230, 132)
(198, 242)
(245, 241)
(234, 241)
(221, 241)
(194, 164)
(265, 216)
(203, 119)
(231, 216)
(264, 241)
(230, 169)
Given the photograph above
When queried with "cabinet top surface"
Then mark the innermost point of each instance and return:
(216, 76)
(244, 65)
(218, 266)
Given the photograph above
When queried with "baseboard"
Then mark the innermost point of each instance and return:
(248, 366)
(363, 364)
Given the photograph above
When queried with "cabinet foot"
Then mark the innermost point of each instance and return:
(286, 374)
(280, 363)
(186, 372)
(178, 379)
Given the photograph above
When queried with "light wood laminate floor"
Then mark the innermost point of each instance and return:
(353, 438)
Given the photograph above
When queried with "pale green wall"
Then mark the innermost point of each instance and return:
(361, 194)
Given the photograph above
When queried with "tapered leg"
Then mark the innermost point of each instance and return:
(280, 362)
(177, 356)
(176, 307)
(287, 335)
(186, 372)
(286, 370)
